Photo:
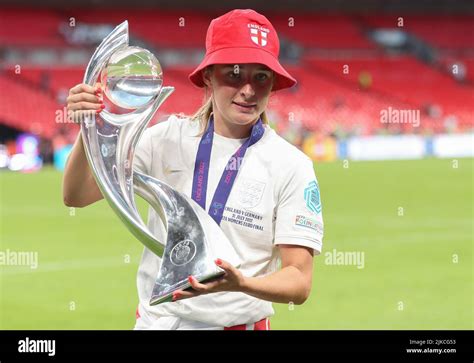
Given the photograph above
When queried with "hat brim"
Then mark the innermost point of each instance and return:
(243, 56)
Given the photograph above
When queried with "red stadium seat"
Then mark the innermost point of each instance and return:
(327, 99)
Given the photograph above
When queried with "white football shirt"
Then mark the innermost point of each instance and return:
(274, 200)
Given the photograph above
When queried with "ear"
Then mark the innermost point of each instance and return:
(206, 76)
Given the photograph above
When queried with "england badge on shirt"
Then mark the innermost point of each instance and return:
(250, 192)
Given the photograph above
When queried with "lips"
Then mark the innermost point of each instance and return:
(246, 105)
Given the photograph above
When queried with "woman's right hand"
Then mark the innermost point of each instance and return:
(79, 186)
(83, 99)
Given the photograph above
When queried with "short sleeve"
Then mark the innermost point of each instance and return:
(299, 219)
(142, 159)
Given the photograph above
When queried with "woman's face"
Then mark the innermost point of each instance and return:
(240, 92)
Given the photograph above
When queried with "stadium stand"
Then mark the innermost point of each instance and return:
(447, 32)
(326, 100)
(26, 108)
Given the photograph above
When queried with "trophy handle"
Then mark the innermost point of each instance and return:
(113, 42)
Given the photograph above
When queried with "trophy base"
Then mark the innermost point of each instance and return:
(193, 241)
(164, 296)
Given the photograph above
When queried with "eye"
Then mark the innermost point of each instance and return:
(262, 77)
(233, 75)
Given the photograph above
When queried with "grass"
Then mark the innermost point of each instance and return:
(413, 220)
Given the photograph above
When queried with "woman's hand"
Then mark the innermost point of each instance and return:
(82, 99)
(291, 284)
(232, 280)
(79, 186)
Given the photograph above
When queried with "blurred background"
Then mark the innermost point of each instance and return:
(383, 105)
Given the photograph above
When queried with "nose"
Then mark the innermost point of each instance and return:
(247, 90)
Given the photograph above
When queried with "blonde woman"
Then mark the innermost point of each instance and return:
(269, 208)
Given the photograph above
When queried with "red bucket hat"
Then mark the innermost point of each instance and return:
(243, 36)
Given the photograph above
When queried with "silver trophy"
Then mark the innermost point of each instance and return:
(131, 78)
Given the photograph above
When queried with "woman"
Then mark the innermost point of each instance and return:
(271, 212)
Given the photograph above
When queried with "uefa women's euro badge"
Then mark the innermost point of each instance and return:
(132, 79)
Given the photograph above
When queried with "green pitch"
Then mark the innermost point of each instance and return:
(411, 221)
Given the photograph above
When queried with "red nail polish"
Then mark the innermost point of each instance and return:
(102, 106)
(219, 262)
(190, 279)
(176, 296)
(98, 111)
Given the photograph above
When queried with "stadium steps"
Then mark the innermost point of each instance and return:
(27, 109)
(406, 81)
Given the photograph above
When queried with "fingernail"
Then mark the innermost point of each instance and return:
(98, 111)
(176, 296)
(218, 262)
(98, 90)
(102, 106)
(190, 279)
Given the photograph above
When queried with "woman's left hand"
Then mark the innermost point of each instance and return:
(232, 280)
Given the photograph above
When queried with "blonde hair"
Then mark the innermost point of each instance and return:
(203, 114)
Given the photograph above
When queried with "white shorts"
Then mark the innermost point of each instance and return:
(177, 323)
